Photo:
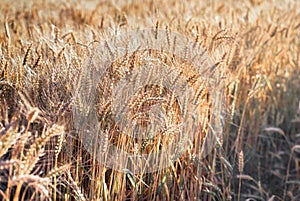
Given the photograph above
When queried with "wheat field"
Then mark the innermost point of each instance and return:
(255, 50)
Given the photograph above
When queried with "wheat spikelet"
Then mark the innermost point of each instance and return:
(8, 137)
(156, 29)
(30, 160)
(32, 179)
(42, 189)
(58, 171)
(8, 164)
(241, 161)
(3, 63)
(75, 187)
(27, 55)
(36, 150)
(221, 140)
(105, 142)
(7, 33)
(59, 144)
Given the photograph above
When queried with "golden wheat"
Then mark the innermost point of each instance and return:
(255, 48)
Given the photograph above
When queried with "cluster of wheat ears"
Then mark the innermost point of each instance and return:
(255, 47)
